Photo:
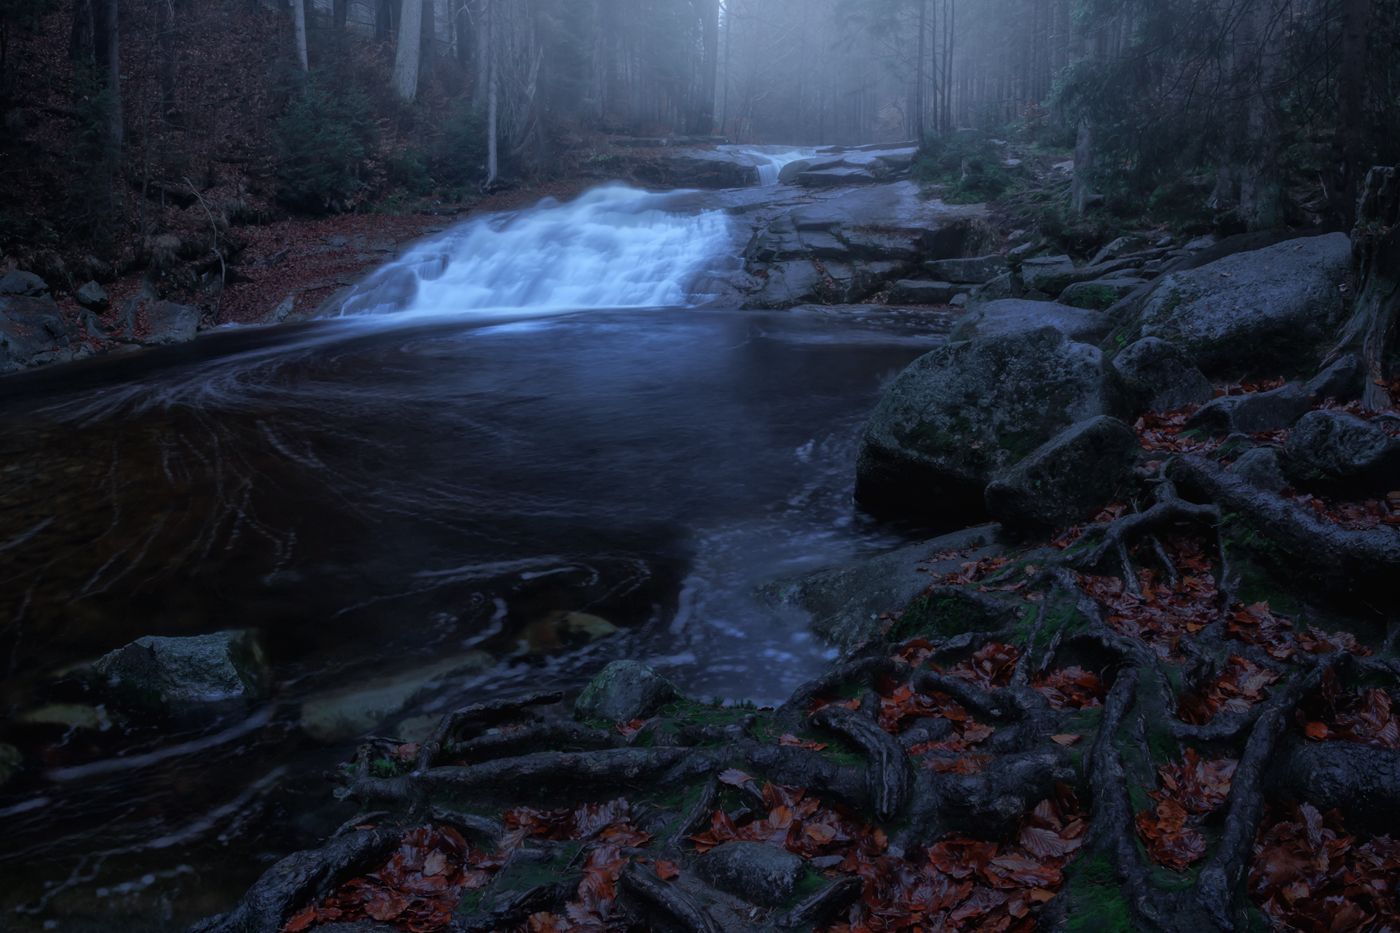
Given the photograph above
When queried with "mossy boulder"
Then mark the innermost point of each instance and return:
(1337, 451)
(1161, 376)
(1067, 478)
(1253, 313)
(759, 873)
(186, 673)
(623, 691)
(965, 412)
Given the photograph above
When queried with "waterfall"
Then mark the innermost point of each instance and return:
(614, 247)
(769, 160)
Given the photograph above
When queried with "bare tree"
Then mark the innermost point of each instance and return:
(299, 21)
(408, 53)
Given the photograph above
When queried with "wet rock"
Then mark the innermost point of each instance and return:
(92, 296)
(922, 292)
(1339, 451)
(789, 173)
(11, 763)
(1258, 312)
(33, 331)
(1261, 467)
(1161, 376)
(1018, 316)
(789, 283)
(975, 271)
(696, 169)
(846, 604)
(1100, 294)
(563, 629)
(184, 673)
(153, 323)
(838, 176)
(1067, 478)
(23, 284)
(881, 246)
(352, 711)
(763, 874)
(68, 716)
(1006, 285)
(963, 413)
(623, 691)
(1119, 247)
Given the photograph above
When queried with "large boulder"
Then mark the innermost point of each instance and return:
(624, 691)
(1161, 377)
(33, 331)
(959, 415)
(178, 674)
(1067, 478)
(1008, 316)
(922, 292)
(154, 323)
(759, 873)
(1100, 294)
(1259, 312)
(1336, 450)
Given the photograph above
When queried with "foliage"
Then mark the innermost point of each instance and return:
(971, 165)
(458, 158)
(324, 138)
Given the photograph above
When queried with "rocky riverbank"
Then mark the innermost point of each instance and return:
(1144, 698)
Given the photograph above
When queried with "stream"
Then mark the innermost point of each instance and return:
(519, 452)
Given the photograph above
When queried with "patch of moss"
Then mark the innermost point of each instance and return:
(1096, 902)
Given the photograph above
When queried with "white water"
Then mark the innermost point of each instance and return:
(614, 247)
(769, 160)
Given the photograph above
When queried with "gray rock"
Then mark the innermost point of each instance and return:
(623, 691)
(1330, 449)
(763, 874)
(92, 296)
(1342, 380)
(1258, 312)
(1119, 247)
(351, 711)
(1047, 274)
(1161, 376)
(976, 271)
(1261, 467)
(922, 292)
(1018, 316)
(839, 176)
(185, 673)
(789, 173)
(1067, 478)
(11, 763)
(845, 604)
(152, 323)
(23, 285)
(963, 413)
(788, 284)
(1100, 294)
(33, 331)
(1253, 413)
(1006, 285)
(960, 300)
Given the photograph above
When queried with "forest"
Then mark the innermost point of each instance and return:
(867, 466)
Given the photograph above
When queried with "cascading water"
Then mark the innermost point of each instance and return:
(614, 247)
(769, 160)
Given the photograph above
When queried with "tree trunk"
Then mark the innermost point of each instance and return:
(82, 39)
(1351, 109)
(493, 94)
(1082, 188)
(340, 12)
(383, 19)
(1375, 319)
(919, 129)
(481, 87)
(109, 60)
(704, 121)
(410, 47)
(299, 22)
(165, 43)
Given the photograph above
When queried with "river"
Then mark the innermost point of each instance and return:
(521, 446)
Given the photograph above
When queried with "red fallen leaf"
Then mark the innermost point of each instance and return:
(630, 728)
(667, 871)
(1198, 784)
(734, 777)
(793, 741)
(301, 920)
(1071, 688)
(1066, 740)
(1170, 842)
(1317, 731)
(1046, 843)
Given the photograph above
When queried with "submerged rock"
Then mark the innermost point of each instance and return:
(347, 713)
(69, 716)
(847, 603)
(963, 413)
(1067, 478)
(1255, 312)
(623, 691)
(759, 873)
(183, 673)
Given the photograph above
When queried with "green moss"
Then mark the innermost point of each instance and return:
(1061, 616)
(1096, 902)
(1095, 297)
